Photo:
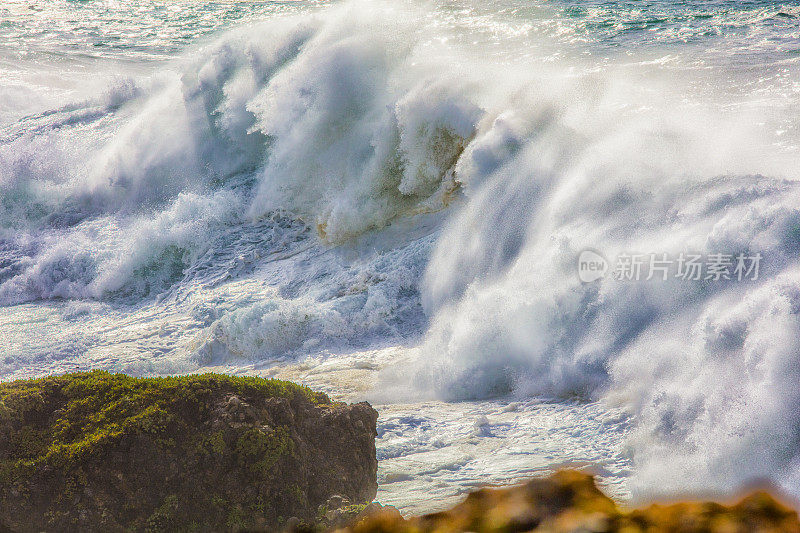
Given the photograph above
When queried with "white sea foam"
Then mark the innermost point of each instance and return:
(371, 176)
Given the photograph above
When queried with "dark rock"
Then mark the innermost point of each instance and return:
(336, 501)
(293, 524)
(102, 452)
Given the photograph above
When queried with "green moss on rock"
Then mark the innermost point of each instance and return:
(110, 452)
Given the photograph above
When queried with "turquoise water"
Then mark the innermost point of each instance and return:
(157, 29)
(149, 30)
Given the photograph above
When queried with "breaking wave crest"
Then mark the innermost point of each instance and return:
(320, 117)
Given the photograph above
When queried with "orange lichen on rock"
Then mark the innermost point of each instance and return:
(570, 501)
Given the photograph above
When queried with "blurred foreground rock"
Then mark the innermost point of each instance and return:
(570, 501)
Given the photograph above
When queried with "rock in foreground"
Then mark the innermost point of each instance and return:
(109, 452)
(571, 502)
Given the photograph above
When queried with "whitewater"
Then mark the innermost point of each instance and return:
(387, 201)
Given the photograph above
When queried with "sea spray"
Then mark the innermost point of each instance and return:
(366, 182)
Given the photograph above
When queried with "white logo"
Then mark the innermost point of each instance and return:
(591, 266)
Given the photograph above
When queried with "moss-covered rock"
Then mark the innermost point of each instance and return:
(110, 452)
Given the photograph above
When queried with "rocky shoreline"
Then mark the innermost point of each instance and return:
(109, 452)
(570, 502)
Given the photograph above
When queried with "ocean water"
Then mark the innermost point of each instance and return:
(389, 200)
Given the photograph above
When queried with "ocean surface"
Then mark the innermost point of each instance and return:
(390, 201)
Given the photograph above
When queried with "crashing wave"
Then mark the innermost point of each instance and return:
(355, 120)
